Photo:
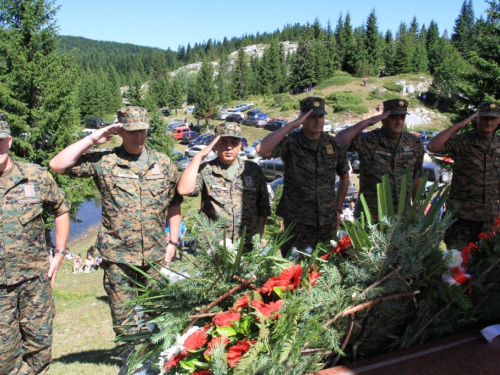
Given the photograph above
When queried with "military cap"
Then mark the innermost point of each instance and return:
(490, 109)
(133, 118)
(4, 127)
(315, 103)
(229, 129)
(396, 106)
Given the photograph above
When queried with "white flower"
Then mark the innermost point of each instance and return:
(333, 243)
(229, 244)
(453, 258)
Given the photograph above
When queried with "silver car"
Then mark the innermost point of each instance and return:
(250, 152)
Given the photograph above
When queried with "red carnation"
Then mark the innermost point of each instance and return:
(241, 303)
(314, 275)
(267, 309)
(225, 319)
(235, 352)
(344, 243)
(216, 341)
(175, 360)
(288, 279)
(196, 340)
(483, 236)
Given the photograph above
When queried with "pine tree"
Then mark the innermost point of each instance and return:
(302, 67)
(431, 46)
(348, 64)
(135, 90)
(464, 29)
(271, 69)
(205, 94)
(389, 55)
(240, 76)
(175, 96)
(404, 50)
(223, 81)
(333, 63)
(340, 40)
(486, 57)
(420, 58)
(373, 43)
(37, 87)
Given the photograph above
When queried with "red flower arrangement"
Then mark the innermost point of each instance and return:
(196, 340)
(343, 244)
(287, 280)
(226, 319)
(234, 330)
(267, 309)
(235, 352)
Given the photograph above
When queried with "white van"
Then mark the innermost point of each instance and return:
(328, 126)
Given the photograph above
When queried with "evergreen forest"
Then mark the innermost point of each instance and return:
(49, 82)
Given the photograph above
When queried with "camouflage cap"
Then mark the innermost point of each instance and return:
(396, 106)
(315, 103)
(4, 127)
(229, 129)
(133, 118)
(490, 109)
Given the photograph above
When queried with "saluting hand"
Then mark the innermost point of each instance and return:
(462, 124)
(298, 121)
(205, 151)
(105, 135)
(381, 117)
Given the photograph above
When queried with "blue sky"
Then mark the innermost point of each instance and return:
(166, 23)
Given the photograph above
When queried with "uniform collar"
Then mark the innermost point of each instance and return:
(217, 169)
(125, 160)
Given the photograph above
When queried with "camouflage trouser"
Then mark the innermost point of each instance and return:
(464, 231)
(26, 315)
(307, 235)
(116, 283)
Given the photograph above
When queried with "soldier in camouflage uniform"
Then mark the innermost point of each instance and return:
(137, 186)
(385, 151)
(312, 159)
(230, 188)
(26, 303)
(476, 174)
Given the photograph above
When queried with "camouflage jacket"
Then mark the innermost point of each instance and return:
(134, 202)
(378, 158)
(23, 252)
(476, 175)
(309, 186)
(242, 200)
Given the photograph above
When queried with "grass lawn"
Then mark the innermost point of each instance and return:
(83, 337)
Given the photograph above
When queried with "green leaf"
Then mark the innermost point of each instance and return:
(226, 331)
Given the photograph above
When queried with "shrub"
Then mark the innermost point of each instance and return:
(343, 98)
(335, 81)
(393, 86)
(287, 106)
(358, 109)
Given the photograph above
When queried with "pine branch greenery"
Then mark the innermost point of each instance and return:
(378, 289)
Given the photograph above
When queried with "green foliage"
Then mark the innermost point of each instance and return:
(393, 87)
(341, 80)
(344, 97)
(157, 134)
(205, 94)
(274, 223)
(287, 106)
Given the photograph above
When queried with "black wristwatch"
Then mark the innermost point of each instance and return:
(176, 244)
(59, 251)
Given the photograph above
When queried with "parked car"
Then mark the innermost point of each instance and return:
(243, 106)
(172, 125)
(353, 158)
(182, 166)
(272, 186)
(272, 168)
(339, 128)
(234, 117)
(328, 126)
(179, 131)
(255, 117)
(428, 132)
(192, 151)
(274, 125)
(189, 109)
(93, 123)
(203, 139)
(166, 112)
(425, 139)
(188, 137)
(178, 159)
(352, 192)
(436, 173)
(251, 152)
